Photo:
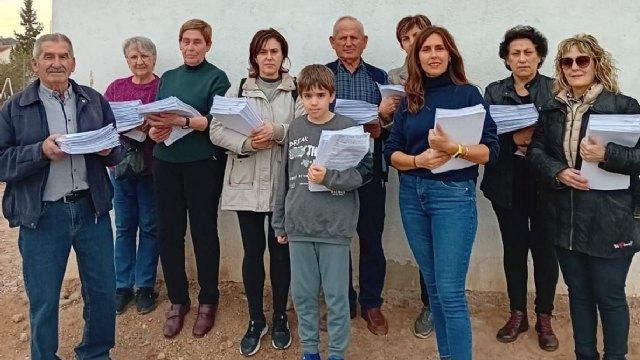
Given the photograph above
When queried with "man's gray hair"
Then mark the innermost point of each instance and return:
(55, 37)
(140, 42)
(347, 18)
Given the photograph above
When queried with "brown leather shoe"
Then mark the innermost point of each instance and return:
(376, 323)
(205, 320)
(175, 319)
(516, 325)
(547, 340)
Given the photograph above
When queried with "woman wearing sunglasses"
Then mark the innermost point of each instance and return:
(595, 231)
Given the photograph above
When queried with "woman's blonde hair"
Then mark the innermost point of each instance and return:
(606, 71)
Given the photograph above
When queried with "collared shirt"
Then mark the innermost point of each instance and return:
(357, 85)
(70, 173)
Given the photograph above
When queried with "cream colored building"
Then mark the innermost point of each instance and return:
(98, 29)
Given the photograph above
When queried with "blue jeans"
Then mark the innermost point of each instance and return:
(440, 221)
(45, 251)
(596, 285)
(135, 208)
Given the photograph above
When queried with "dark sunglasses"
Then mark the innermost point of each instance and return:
(582, 61)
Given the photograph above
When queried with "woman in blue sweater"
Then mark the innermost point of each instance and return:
(439, 210)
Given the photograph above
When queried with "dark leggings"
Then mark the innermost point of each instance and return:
(252, 230)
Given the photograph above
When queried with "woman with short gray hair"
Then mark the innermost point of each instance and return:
(134, 201)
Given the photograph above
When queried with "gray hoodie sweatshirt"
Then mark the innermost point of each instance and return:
(327, 216)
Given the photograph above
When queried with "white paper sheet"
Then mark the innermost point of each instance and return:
(392, 90)
(171, 105)
(340, 150)
(360, 111)
(89, 142)
(619, 129)
(464, 126)
(236, 114)
(126, 114)
(510, 118)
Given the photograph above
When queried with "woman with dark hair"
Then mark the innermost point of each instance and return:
(250, 183)
(509, 185)
(595, 231)
(406, 31)
(439, 210)
(188, 180)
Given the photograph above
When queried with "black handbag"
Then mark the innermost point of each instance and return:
(133, 163)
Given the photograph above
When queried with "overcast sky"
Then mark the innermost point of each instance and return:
(10, 15)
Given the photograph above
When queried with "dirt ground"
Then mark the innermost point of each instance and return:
(140, 337)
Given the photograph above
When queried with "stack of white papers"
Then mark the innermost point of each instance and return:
(90, 141)
(464, 126)
(391, 90)
(236, 114)
(510, 118)
(170, 105)
(126, 114)
(340, 150)
(618, 129)
(360, 111)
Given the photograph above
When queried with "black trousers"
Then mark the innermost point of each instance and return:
(596, 285)
(191, 189)
(373, 264)
(252, 230)
(520, 234)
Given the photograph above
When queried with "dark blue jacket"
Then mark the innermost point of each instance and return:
(410, 132)
(380, 76)
(24, 167)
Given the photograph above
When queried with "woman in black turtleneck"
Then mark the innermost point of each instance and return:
(439, 210)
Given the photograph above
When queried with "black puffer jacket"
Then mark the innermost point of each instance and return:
(497, 182)
(594, 222)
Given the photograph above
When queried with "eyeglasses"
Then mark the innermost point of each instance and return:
(582, 61)
(143, 57)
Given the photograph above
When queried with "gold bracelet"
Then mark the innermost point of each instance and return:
(458, 152)
(414, 162)
(465, 152)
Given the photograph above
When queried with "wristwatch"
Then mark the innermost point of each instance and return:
(459, 151)
(186, 124)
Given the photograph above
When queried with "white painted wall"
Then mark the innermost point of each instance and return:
(98, 29)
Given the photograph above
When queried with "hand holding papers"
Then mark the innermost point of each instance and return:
(235, 114)
(89, 142)
(510, 118)
(391, 90)
(170, 105)
(360, 111)
(464, 126)
(340, 150)
(619, 129)
(126, 114)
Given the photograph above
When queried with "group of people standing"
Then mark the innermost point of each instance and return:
(531, 177)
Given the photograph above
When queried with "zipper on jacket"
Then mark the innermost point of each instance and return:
(571, 229)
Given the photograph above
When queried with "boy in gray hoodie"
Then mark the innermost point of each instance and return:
(318, 225)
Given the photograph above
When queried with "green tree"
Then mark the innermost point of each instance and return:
(32, 28)
(19, 69)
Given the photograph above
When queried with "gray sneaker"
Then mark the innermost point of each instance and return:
(423, 327)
